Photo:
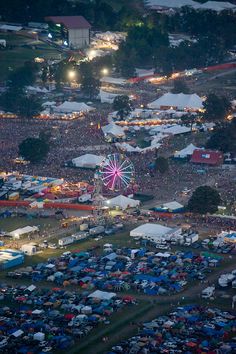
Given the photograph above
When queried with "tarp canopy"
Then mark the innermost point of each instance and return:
(72, 107)
(122, 202)
(113, 129)
(180, 101)
(102, 295)
(88, 161)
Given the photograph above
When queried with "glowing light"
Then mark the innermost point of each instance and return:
(49, 35)
(71, 74)
(105, 71)
(92, 54)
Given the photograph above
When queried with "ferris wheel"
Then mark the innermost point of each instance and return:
(117, 172)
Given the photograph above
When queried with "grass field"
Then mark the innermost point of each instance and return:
(10, 224)
(10, 59)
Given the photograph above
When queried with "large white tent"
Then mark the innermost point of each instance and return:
(88, 161)
(114, 130)
(154, 232)
(178, 101)
(122, 202)
(23, 231)
(186, 152)
(72, 107)
(150, 230)
(107, 97)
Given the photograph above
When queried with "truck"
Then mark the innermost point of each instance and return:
(208, 292)
(96, 230)
(85, 198)
(65, 241)
(190, 239)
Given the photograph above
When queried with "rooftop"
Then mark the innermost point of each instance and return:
(70, 22)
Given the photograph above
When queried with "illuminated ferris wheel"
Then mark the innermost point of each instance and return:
(117, 172)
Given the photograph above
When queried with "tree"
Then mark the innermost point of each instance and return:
(33, 149)
(161, 164)
(29, 107)
(122, 105)
(23, 76)
(180, 86)
(224, 138)
(90, 86)
(16, 101)
(204, 200)
(188, 119)
(216, 108)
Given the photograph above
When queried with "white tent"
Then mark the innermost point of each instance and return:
(150, 231)
(88, 161)
(177, 129)
(122, 202)
(173, 206)
(102, 295)
(113, 80)
(179, 101)
(188, 151)
(22, 231)
(107, 97)
(170, 3)
(113, 129)
(72, 107)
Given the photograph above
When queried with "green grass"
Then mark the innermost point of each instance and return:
(10, 59)
(10, 224)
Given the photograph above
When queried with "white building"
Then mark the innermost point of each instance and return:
(29, 249)
(76, 30)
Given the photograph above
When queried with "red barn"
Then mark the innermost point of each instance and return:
(207, 157)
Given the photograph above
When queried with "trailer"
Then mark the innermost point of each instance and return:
(96, 230)
(80, 236)
(65, 241)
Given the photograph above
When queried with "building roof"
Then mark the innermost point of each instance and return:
(207, 157)
(70, 22)
(179, 100)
